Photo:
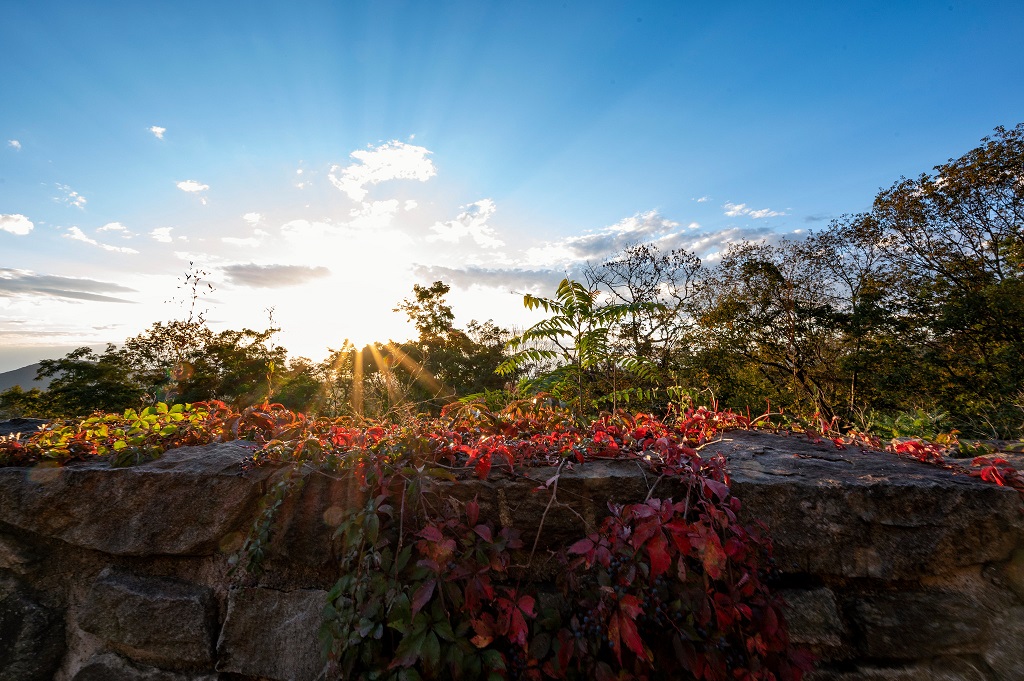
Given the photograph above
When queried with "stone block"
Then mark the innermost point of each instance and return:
(181, 504)
(32, 638)
(272, 634)
(936, 669)
(111, 667)
(154, 620)
(1005, 653)
(920, 624)
(813, 618)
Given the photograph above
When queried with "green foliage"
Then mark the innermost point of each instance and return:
(572, 343)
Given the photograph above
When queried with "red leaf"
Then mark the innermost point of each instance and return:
(720, 490)
(582, 547)
(483, 466)
(657, 549)
(526, 604)
(422, 596)
(632, 637)
(431, 533)
(484, 532)
(613, 636)
(473, 511)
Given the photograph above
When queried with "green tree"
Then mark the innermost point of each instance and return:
(83, 382)
(574, 341)
(956, 237)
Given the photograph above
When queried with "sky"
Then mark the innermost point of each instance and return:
(318, 159)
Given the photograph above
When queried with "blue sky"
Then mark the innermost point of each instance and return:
(321, 158)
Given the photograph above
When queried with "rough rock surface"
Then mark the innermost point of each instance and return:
(181, 504)
(20, 425)
(287, 651)
(31, 635)
(894, 570)
(164, 622)
(111, 667)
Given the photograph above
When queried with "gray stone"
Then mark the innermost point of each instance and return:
(32, 639)
(920, 624)
(272, 634)
(111, 667)
(813, 618)
(155, 620)
(1005, 654)
(181, 504)
(15, 556)
(937, 669)
(856, 513)
(23, 426)
(1012, 573)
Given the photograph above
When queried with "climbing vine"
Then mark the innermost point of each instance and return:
(430, 586)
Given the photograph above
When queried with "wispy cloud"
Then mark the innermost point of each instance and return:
(162, 234)
(193, 187)
(272, 276)
(392, 160)
(472, 223)
(115, 227)
(821, 217)
(76, 234)
(642, 227)
(158, 132)
(70, 197)
(703, 199)
(733, 210)
(510, 279)
(26, 283)
(15, 223)
(253, 218)
(14, 144)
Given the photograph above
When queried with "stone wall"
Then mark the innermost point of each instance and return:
(893, 570)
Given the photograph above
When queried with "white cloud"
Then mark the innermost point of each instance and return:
(16, 223)
(14, 144)
(162, 234)
(410, 204)
(642, 227)
(273, 276)
(113, 227)
(373, 215)
(24, 282)
(78, 235)
(253, 218)
(193, 187)
(733, 210)
(703, 199)
(70, 197)
(392, 160)
(158, 132)
(472, 222)
(693, 225)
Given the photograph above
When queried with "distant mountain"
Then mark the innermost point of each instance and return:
(25, 377)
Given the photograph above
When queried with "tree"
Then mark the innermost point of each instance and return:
(577, 335)
(772, 307)
(83, 382)
(957, 239)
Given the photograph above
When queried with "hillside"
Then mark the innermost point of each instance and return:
(25, 377)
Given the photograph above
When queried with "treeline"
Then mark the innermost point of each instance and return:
(912, 313)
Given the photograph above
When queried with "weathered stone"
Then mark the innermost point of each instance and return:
(111, 667)
(920, 624)
(15, 556)
(181, 504)
(937, 669)
(1005, 654)
(1012, 573)
(155, 620)
(852, 513)
(272, 634)
(813, 618)
(24, 426)
(31, 635)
